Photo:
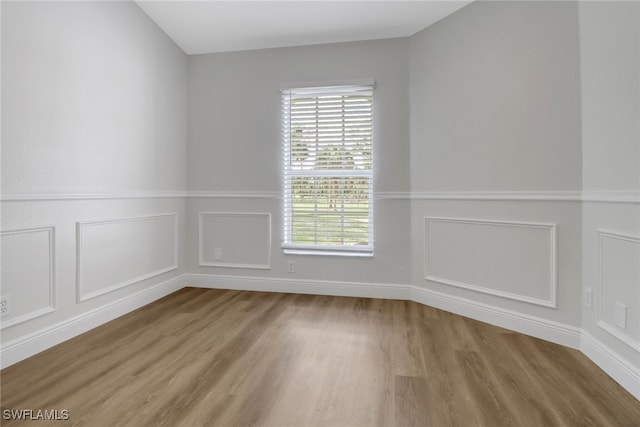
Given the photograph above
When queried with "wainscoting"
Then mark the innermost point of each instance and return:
(611, 272)
(515, 260)
(125, 243)
(516, 256)
(28, 273)
(71, 262)
(30, 344)
(619, 285)
(234, 239)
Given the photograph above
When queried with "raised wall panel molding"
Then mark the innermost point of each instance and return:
(550, 259)
(201, 237)
(601, 322)
(81, 293)
(51, 307)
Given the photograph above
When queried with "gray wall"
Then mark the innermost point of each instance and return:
(93, 100)
(235, 146)
(495, 108)
(93, 104)
(495, 99)
(609, 53)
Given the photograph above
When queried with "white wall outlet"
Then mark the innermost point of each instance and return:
(4, 305)
(291, 266)
(620, 315)
(588, 297)
(217, 254)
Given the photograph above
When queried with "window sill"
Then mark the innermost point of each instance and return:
(328, 253)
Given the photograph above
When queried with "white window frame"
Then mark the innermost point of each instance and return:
(327, 88)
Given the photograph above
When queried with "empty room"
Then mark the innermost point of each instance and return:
(320, 213)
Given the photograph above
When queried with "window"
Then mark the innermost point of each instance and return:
(328, 175)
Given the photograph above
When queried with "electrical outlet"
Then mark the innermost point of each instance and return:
(291, 266)
(217, 254)
(4, 305)
(620, 315)
(588, 297)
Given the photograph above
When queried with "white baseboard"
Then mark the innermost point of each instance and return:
(627, 375)
(548, 330)
(541, 328)
(28, 345)
(619, 369)
(300, 286)
(556, 332)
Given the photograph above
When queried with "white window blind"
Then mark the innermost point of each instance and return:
(328, 175)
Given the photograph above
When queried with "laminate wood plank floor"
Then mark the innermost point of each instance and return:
(202, 357)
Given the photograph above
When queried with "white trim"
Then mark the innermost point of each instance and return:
(574, 337)
(80, 296)
(327, 83)
(603, 324)
(26, 317)
(300, 286)
(337, 249)
(543, 196)
(39, 197)
(51, 234)
(236, 265)
(560, 196)
(540, 196)
(611, 196)
(618, 368)
(391, 195)
(627, 375)
(33, 343)
(549, 330)
(202, 263)
(329, 253)
(612, 330)
(541, 328)
(550, 196)
(551, 228)
(235, 194)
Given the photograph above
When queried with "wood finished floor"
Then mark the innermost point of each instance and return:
(228, 358)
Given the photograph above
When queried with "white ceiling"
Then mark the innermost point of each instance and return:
(221, 26)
